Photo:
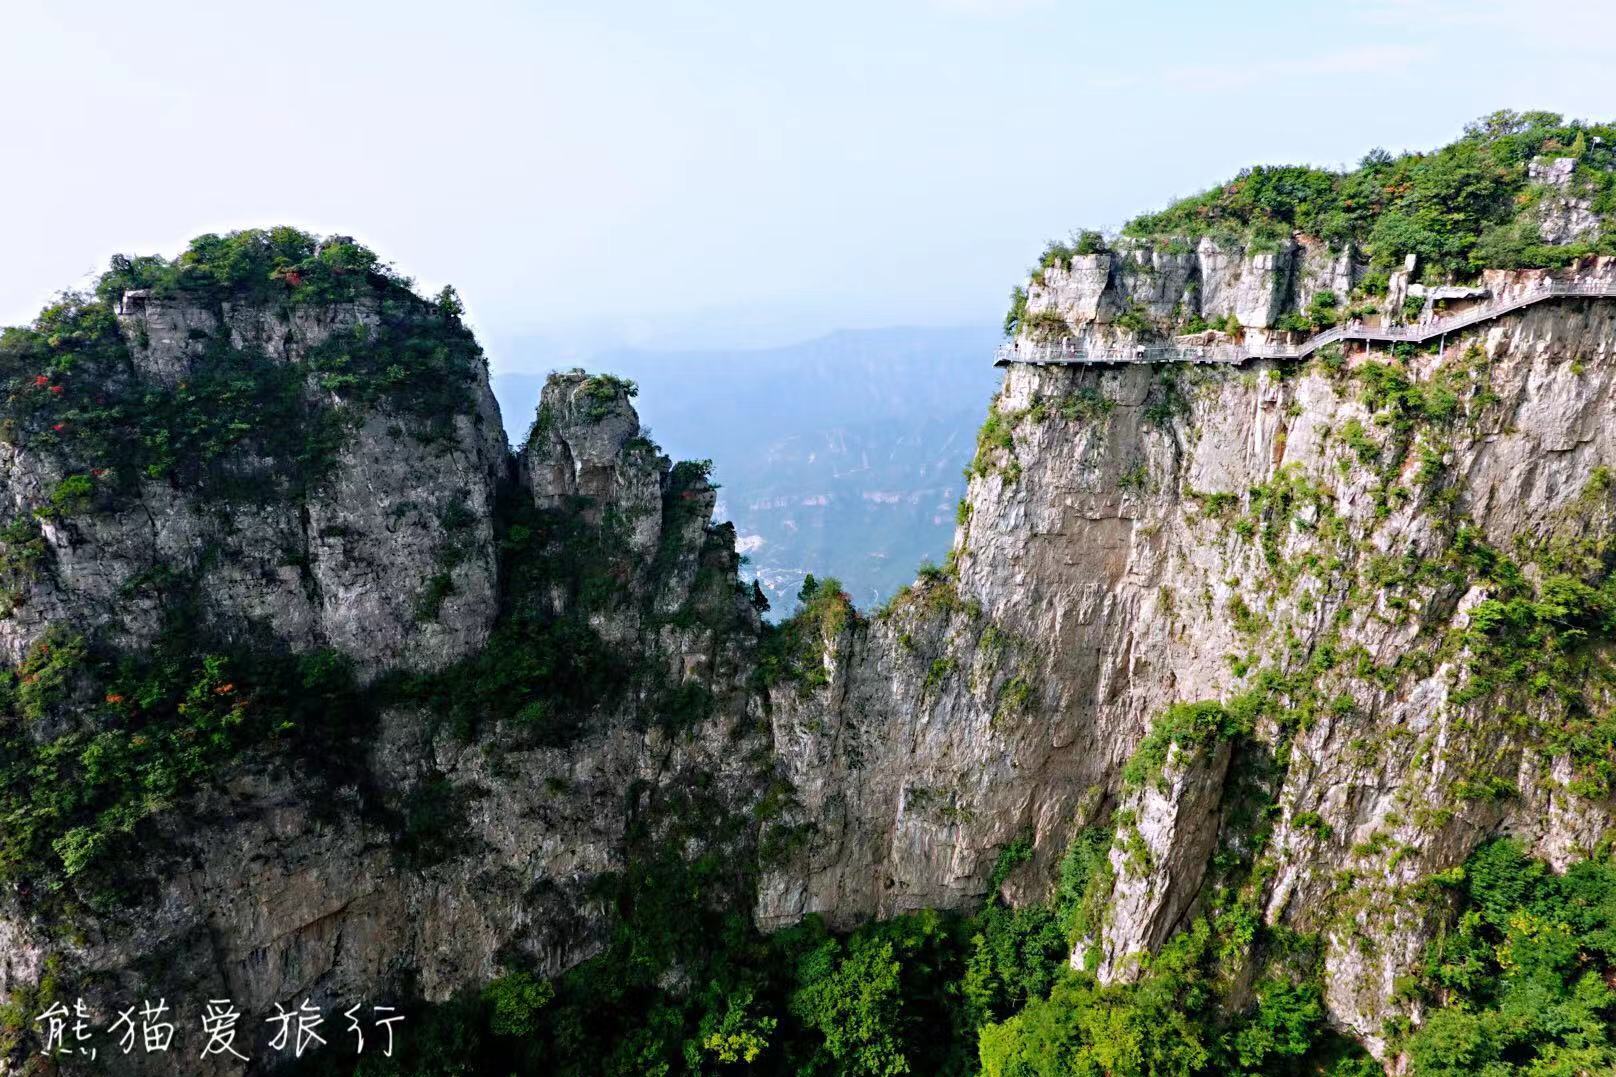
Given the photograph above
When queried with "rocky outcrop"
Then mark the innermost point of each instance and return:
(1301, 550)
(440, 859)
(344, 568)
(1565, 212)
(1165, 284)
(585, 449)
(586, 455)
(1151, 536)
(1170, 834)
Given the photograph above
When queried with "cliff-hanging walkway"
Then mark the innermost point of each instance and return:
(1069, 352)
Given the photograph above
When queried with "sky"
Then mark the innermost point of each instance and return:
(727, 174)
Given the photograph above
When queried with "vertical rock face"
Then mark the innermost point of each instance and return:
(1245, 619)
(1146, 537)
(1165, 285)
(1321, 270)
(1082, 291)
(275, 886)
(1173, 832)
(586, 454)
(346, 567)
(1565, 214)
(1263, 287)
(586, 445)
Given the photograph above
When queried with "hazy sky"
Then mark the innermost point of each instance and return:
(667, 171)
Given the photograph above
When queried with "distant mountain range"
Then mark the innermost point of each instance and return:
(839, 456)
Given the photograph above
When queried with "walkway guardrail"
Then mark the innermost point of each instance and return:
(1067, 351)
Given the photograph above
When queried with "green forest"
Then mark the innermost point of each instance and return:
(1519, 983)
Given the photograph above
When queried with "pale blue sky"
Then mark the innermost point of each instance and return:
(728, 172)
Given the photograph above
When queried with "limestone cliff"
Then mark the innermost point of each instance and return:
(547, 649)
(1308, 546)
(319, 691)
(344, 567)
(1088, 295)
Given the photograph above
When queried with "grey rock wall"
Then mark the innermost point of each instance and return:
(1091, 568)
(275, 887)
(1101, 575)
(1213, 280)
(1565, 213)
(345, 570)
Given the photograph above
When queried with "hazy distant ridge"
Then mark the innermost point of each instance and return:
(841, 454)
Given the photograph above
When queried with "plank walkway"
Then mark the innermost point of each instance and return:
(1067, 352)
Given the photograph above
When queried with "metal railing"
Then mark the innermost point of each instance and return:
(1068, 351)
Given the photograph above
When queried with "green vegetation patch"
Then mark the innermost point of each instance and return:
(1461, 208)
(794, 650)
(1524, 978)
(263, 265)
(94, 742)
(240, 423)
